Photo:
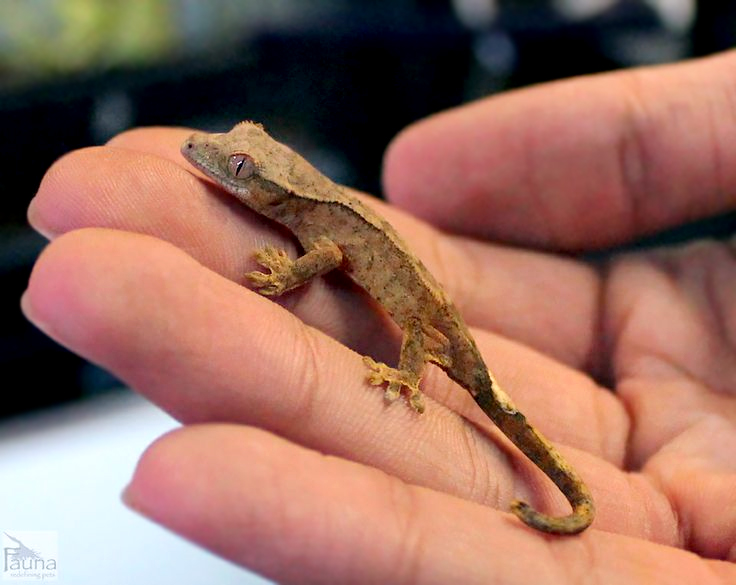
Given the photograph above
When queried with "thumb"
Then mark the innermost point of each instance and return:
(577, 164)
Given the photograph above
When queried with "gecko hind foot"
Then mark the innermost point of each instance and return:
(379, 373)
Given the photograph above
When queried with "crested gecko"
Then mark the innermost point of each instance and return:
(337, 231)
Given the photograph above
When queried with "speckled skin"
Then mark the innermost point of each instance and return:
(336, 230)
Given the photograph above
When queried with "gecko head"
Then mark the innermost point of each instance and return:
(220, 159)
(247, 163)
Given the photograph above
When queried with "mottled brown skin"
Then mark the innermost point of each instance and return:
(338, 231)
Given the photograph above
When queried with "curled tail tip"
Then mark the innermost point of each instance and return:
(580, 519)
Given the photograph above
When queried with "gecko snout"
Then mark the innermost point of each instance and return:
(198, 145)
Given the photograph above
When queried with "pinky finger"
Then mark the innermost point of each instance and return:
(297, 516)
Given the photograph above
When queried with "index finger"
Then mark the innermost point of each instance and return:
(141, 183)
(577, 164)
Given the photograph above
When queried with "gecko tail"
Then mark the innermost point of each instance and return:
(581, 517)
(548, 459)
(544, 455)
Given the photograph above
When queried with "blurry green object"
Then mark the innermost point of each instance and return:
(40, 38)
(47, 38)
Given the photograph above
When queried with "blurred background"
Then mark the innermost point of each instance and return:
(336, 79)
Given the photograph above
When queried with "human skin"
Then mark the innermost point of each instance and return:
(289, 464)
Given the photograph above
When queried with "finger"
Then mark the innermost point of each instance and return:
(171, 318)
(296, 516)
(141, 191)
(162, 141)
(207, 350)
(496, 289)
(696, 470)
(671, 314)
(138, 191)
(577, 164)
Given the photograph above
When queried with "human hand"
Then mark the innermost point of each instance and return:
(298, 469)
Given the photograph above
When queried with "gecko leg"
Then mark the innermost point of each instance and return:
(286, 274)
(407, 375)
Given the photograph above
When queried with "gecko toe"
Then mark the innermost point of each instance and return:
(416, 401)
(392, 392)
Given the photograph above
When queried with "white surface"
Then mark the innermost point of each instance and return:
(64, 471)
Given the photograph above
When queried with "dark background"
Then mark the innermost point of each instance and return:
(337, 81)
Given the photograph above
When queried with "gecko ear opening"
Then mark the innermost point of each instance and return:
(241, 166)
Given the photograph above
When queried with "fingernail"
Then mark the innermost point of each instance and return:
(26, 307)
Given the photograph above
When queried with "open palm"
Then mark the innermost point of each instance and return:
(290, 464)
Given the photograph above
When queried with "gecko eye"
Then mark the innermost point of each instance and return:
(241, 166)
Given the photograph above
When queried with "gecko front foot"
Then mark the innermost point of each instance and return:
(280, 267)
(379, 373)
